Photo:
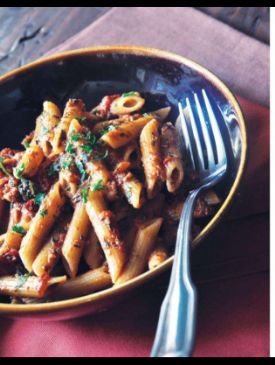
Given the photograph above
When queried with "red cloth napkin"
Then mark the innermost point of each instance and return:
(231, 271)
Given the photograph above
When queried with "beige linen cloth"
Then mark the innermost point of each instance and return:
(239, 60)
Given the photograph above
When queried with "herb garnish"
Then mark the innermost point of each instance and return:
(98, 186)
(87, 148)
(27, 189)
(70, 148)
(18, 229)
(84, 194)
(67, 163)
(108, 129)
(130, 93)
(43, 213)
(39, 198)
(90, 138)
(2, 167)
(81, 169)
(75, 137)
(18, 171)
(25, 143)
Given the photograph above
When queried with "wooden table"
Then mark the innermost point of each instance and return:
(26, 33)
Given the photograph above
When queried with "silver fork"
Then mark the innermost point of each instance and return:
(205, 145)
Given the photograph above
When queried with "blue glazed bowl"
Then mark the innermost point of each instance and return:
(164, 78)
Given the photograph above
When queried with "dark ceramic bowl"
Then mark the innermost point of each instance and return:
(89, 74)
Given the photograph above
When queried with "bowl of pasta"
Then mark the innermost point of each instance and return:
(92, 179)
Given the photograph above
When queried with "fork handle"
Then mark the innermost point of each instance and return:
(176, 327)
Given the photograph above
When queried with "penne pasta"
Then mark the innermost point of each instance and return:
(151, 158)
(50, 253)
(75, 239)
(98, 171)
(129, 184)
(172, 158)
(124, 133)
(104, 225)
(27, 285)
(92, 253)
(40, 225)
(73, 109)
(142, 246)
(127, 103)
(29, 164)
(19, 223)
(95, 194)
(161, 114)
(131, 153)
(49, 119)
(107, 125)
(91, 281)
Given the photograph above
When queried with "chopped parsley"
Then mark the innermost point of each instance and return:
(66, 164)
(21, 280)
(43, 212)
(26, 144)
(18, 229)
(70, 148)
(108, 129)
(81, 170)
(84, 194)
(39, 198)
(75, 137)
(2, 167)
(90, 138)
(88, 148)
(130, 93)
(85, 157)
(98, 186)
(27, 189)
(18, 171)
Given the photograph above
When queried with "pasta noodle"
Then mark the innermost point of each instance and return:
(104, 225)
(151, 158)
(27, 286)
(89, 282)
(75, 239)
(47, 258)
(93, 253)
(125, 132)
(143, 244)
(172, 159)
(74, 108)
(96, 195)
(40, 226)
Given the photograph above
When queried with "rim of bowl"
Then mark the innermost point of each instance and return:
(146, 276)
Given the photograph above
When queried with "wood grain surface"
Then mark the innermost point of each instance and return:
(253, 21)
(26, 33)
